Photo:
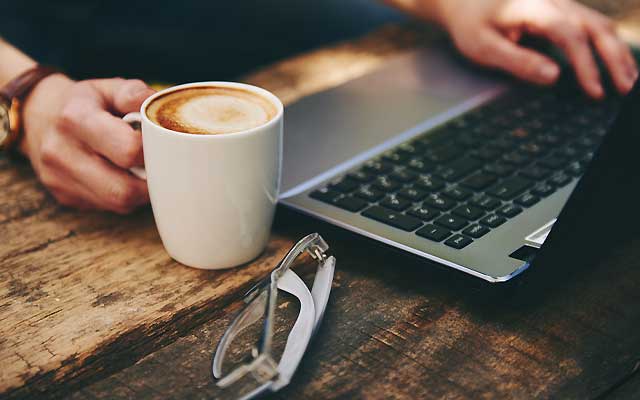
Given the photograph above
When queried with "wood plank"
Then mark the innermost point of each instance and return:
(84, 294)
(396, 328)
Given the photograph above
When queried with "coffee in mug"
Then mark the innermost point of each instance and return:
(211, 110)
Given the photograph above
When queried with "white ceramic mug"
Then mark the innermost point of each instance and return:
(213, 196)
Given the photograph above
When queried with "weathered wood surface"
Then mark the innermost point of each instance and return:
(396, 328)
(85, 294)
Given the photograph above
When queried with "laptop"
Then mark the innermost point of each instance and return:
(464, 168)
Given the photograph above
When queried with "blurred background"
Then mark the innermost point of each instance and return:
(179, 41)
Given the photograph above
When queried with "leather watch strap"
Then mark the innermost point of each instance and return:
(13, 95)
(21, 85)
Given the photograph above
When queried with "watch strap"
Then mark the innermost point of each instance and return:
(20, 86)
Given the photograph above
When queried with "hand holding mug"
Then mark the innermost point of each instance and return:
(80, 148)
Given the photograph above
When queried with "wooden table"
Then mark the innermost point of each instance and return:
(92, 307)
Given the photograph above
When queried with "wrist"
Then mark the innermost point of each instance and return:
(41, 105)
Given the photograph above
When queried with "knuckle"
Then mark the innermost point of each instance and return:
(71, 116)
(122, 197)
(50, 152)
(130, 151)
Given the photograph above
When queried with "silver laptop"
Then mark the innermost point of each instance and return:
(432, 156)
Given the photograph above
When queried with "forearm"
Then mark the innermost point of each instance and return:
(429, 10)
(12, 62)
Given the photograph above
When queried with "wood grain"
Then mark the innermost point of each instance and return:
(83, 295)
(397, 328)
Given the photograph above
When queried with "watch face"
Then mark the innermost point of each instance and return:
(4, 123)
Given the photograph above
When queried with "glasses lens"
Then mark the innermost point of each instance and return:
(246, 338)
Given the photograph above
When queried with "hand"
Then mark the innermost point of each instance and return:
(78, 145)
(488, 31)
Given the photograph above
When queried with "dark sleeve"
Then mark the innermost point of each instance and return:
(189, 40)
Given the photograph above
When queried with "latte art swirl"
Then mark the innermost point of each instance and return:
(211, 110)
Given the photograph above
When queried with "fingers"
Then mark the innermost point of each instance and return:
(572, 38)
(498, 52)
(614, 52)
(86, 117)
(80, 178)
(123, 96)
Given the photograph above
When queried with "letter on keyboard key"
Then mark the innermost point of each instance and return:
(458, 241)
(392, 218)
(434, 233)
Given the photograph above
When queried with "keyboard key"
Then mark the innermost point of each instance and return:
(424, 213)
(553, 162)
(395, 157)
(485, 153)
(369, 193)
(410, 148)
(429, 183)
(325, 194)
(468, 140)
(479, 181)
(468, 212)
(543, 190)
(568, 152)
(476, 231)
(533, 149)
(395, 203)
(510, 188)
(350, 203)
(486, 202)
(458, 241)
(510, 211)
(420, 165)
(443, 154)
(344, 185)
(385, 184)
(500, 169)
(413, 193)
(560, 179)
(392, 218)
(439, 202)
(527, 200)
(434, 233)
(456, 193)
(402, 175)
(377, 167)
(493, 221)
(361, 176)
(586, 143)
(502, 144)
(516, 158)
(575, 169)
(451, 222)
(535, 172)
(459, 169)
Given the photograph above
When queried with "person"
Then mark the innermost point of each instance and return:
(81, 150)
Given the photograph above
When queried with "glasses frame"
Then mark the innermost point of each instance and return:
(270, 374)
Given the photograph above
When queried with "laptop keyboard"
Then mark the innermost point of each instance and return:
(456, 183)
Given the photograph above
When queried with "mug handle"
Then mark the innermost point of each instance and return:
(134, 119)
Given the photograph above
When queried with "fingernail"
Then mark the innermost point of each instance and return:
(597, 90)
(549, 72)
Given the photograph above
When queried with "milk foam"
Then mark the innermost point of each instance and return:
(211, 110)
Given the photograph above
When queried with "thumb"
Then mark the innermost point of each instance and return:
(519, 61)
(123, 95)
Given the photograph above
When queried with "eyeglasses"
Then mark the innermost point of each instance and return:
(261, 303)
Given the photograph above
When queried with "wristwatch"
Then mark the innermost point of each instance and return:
(12, 95)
